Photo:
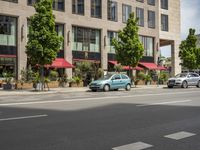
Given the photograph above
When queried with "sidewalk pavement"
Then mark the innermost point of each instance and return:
(66, 90)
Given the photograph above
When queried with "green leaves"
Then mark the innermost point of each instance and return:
(189, 53)
(129, 49)
(43, 42)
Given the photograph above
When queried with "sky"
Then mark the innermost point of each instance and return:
(190, 18)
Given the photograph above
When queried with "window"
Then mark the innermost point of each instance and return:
(151, 2)
(60, 31)
(126, 10)
(124, 76)
(112, 10)
(164, 4)
(164, 22)
(142, 1)
(110, 37)
(116, 77)
(96, 8)
(140, 16)
(78, 7)
(148, 43)
(14, 1)
(8, 27)
(85, 39)
(59, 5)
(151, 19)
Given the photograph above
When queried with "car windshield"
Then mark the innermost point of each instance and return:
(181, 75)
(106, 77)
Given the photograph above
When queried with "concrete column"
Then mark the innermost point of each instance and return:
(67, 47)
(21, 42)
(104, 54)
(176, 68)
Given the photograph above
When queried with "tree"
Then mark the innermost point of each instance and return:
(189, 53)
(129, 49)
(43, 41)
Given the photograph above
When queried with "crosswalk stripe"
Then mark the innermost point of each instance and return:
(179, 135)
(133, 146)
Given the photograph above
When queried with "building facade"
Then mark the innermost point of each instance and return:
(88, 27)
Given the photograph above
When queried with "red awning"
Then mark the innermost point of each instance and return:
(126, 67)
(150, 66)
(8, 56)
(162, 68)
(60, 63)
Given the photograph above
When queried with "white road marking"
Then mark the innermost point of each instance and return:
(179, 135)
(164, 103)
(23, 117)
(93, 98)
(133, 146)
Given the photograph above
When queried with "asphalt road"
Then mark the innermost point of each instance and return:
(150, 119)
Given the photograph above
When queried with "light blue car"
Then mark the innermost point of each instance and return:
(111, 82)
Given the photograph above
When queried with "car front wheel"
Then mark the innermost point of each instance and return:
(184, 84)
(128, 87)
(106, 88)
(198, 84)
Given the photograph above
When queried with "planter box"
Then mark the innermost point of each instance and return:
(24, 86)
(75, 85)
(53, 84)
(8, 86)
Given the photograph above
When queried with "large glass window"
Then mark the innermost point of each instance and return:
(112, 10)
(140, 16)
(151, 2)
(85, 39)
(96, 8)
(164, 4)
(110, 37)
(151, 19)
(126, 10)
(8, 26)
(78, 7)
(148, 43)
(164, 23)
(60, 31)
(14, 1)
(57, 4)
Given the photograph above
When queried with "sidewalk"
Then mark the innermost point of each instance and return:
(66, 90)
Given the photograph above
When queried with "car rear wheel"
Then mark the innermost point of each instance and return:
(198, 84)
(128, 87)
(116, 89)
(184, 84)
(94, 90)
(106, 88)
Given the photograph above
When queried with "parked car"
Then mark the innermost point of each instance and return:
(184, 80)
(111, 82)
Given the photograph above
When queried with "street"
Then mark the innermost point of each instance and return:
(150, 119)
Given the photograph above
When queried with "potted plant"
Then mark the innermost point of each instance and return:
(63, 80)
(8, 79)
(36, 81)
(148, 79)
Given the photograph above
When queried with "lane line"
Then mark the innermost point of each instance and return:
(179, 135)
(23, 117)
(133, 146)
(163, 103)
(93, 98)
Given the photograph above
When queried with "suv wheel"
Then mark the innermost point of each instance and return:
(128, 87)
(184, 84)
(170, 86)
(198, 84)
(106, 88)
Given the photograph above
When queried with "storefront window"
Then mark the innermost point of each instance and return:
(60, 31)
(111, 35)
(85, 39)
(148, 43)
